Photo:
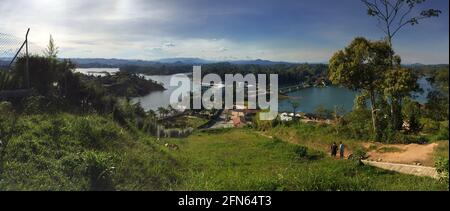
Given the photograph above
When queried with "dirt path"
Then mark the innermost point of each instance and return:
(421, 171)
(412, 154)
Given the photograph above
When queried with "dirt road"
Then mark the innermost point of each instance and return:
(411, 154)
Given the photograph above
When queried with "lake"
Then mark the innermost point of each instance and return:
(314, 97)
(309, 98)
(97, 71)
(158, 99)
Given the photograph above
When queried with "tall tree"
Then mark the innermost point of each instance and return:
(52, 50)
(398, 85)
(392, 17)
(162, 112)
(361, 66)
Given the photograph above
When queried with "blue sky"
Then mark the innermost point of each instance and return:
(287, 30)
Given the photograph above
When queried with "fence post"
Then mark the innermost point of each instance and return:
(27, 71)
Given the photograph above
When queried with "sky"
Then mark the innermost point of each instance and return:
(278, 30)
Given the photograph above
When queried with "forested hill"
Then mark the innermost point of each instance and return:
(287, 73)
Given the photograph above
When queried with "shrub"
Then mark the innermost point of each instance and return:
(442, 168)
(356, 125)
(430, 126)
(302, 152)
(99, 167)
(359, 154)
(410, 139)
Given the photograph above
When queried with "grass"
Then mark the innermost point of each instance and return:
(186, 122)
(442, 150)
(67, 152)
(315, 136)
(242, 160)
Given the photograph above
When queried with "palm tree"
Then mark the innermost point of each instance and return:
(166, 112)
(151, 114)
(295, 104)
(171, 110)
(161, 111)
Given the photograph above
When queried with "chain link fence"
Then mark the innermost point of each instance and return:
(13, 47)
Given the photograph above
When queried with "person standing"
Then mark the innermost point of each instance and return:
(334, 148)
(341, 150)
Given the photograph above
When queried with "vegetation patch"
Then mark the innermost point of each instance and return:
(66, 152)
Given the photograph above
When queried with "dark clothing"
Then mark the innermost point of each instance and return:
(334, 149)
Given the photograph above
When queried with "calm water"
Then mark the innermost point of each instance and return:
(97, 71)
(158, 99)
(332, 96)
(309, 98)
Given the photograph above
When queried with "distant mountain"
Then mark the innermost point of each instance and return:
(198, 61)
(184, 61)
(5, 58)
(258, 62)
(415, 65)
(99, 62)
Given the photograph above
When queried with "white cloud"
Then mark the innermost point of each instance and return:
(168, 44)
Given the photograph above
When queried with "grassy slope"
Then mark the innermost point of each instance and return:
(243, 160)
(66, 152)
(315, 136)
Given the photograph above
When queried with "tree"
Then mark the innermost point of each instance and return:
(295, 105)
(171, 110)
(43, 73)
(162, 112)
(52, 50)
(441, 79)
(397, 85)
(361, 66)
(412, 114)
(151, 114)
(437, 106)
(392, 16)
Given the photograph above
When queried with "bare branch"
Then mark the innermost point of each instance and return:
(405, 15)
(396, 15)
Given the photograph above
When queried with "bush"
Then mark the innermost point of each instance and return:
(430, 126)
(359, 154)
(410, 139)
(442, 168)
(302, 152)
(356, 125)
(443, 132)
(100, 169)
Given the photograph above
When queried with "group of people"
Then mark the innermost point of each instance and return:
(335, 148)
